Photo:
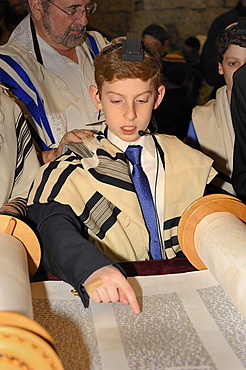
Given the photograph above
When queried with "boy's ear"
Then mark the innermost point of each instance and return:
(93, 90)
(161, 93)
(220, 69)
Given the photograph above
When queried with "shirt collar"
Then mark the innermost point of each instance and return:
(146, 142)
(54, 56)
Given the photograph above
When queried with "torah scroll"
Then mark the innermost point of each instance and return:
(212, 234)
(23, 342)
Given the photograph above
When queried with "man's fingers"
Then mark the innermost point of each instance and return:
(75, 136)
(84, 132)
(80, 134)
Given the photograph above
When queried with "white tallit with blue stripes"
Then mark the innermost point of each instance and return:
(42, 93)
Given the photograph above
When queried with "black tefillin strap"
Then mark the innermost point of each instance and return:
(35, 43)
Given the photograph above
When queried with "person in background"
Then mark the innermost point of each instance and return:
(211, 128)
(208, 61)
(191, 54)
(174, 112)
(238, 111)
(53, 55)
(89, 208)
(13, 13)
(155, 37)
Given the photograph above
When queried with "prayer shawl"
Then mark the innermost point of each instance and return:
(93, 179)
(40, 91)
(18, 159)
(213, 126)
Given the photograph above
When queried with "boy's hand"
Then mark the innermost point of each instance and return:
(114, 288)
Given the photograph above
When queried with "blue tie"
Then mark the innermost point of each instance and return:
(145, 198)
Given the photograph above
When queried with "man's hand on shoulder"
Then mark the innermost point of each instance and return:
(113, 287)
(74, 136)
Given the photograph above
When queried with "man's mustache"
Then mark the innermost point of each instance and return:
(77, 27)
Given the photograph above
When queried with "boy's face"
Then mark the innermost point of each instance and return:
(127, 105)
(234, 57)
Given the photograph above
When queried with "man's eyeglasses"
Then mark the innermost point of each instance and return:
(77, 11)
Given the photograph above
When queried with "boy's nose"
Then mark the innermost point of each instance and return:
(130, 112)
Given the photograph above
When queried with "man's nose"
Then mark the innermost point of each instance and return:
(81, 18)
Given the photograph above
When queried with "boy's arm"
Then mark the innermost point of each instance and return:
(70, 257)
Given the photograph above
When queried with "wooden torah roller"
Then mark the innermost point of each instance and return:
(197, 211)
(22, 232)
(24, 344)
(212, 234)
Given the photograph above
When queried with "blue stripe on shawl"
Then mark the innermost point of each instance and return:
(94, 48)
(36, 109)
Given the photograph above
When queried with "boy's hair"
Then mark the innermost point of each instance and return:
(232, 35)
(109, 66)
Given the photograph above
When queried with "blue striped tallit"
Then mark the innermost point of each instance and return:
(16, 79)
(92, 45)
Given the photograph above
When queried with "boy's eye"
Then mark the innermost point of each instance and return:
(116, 101)
(232, 63)
(141, 100)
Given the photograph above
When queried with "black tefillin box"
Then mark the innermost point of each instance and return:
(132, 48)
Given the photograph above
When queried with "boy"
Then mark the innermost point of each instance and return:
(211, 124)
(84, 204)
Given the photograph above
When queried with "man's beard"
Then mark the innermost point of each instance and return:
(66, 39)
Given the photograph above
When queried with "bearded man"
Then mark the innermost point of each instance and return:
(53, 48)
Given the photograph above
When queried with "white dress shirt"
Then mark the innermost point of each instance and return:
(153, 168)
(78, 77)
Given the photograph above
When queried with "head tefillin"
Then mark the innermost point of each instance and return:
(132, 48)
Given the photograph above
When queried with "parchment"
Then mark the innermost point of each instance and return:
(220, 240)
(15, 293)
(187, 322)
